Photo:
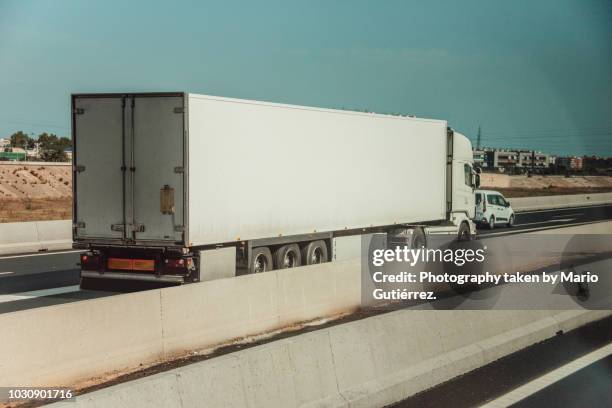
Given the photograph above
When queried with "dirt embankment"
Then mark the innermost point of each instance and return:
(35, 192)
(523, 186)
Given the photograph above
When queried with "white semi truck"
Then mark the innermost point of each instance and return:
(162, 181)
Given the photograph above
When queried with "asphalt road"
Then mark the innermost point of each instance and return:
(547, 219)
(590, 386)
(21, 273)
(41, 279)
(527, 368)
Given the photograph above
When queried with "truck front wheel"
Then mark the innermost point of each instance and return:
(418, 238)
(464, 232)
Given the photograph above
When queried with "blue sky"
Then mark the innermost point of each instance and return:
(534, 74)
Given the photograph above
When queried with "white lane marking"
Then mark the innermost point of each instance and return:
(564, 208)
(38, 293)
(552, 377)
(6, 273)
(40, 254)
(546, 222)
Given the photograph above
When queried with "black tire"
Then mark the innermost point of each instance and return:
(261, 260)
(418, 238)
(464, 232)
(511, 221)
(492, 222)
(288, 256)
(314, 253)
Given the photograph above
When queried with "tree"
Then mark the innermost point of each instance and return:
(19, 139)
(52, 147)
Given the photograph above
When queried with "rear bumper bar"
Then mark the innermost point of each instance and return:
(133, 276)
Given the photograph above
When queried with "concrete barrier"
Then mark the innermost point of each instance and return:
(40, 346)
(520, 204)
(367, 363)
(18, 237)
(63, 344)
(23, 237)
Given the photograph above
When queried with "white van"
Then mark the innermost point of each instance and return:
(493, 209)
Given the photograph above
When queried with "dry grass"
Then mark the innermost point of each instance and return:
(35, 209)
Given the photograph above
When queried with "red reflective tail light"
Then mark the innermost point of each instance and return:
(90, 262)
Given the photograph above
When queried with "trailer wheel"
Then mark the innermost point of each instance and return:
(288, 256)
(261, 260)
(418, 238)
(314, 253)
(464, 232)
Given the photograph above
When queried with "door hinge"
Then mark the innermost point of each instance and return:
(79, 168)
(78, 224)
(138, 228)
(117, 227)
(179, 228)
(78, 111)
(179, 109)
(179, 170)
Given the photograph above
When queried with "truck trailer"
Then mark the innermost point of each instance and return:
(165, 182)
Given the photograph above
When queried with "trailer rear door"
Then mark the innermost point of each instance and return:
(159, 168)
(129, 168)
(98, 128)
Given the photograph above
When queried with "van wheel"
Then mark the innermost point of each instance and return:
(288, 256)
(492, 222)
(511, 221)
(261, 260)
(464, 232)
(314, 253)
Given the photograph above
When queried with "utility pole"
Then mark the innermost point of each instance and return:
(478, 139)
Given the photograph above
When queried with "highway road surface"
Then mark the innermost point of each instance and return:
(20, 273)
(44, 279)
(570, 370)
(548, 219)
(41, 279)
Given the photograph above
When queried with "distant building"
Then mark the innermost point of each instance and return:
(533, 159)
(5, 143)
(505, 159)
(480, 158)
(68, 153)
(570, 163)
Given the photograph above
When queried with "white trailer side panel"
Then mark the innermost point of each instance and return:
(262, 170)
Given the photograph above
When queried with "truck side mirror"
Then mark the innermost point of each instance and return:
(477, 180)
